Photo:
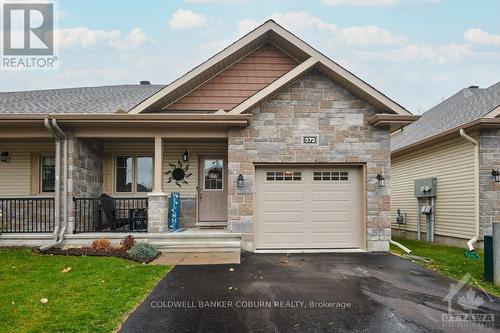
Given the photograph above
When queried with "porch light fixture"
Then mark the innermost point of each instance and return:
(5, 156)
(496, 175)
(381, 180)
(240, 181)
(185, 156)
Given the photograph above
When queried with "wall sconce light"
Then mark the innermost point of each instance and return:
(496, 175)
(381, 180)
(5, 156)
(240, 181)
(185, 156)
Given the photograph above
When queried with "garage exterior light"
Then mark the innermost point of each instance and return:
(496, 175)
(381, 180)
(240, 181)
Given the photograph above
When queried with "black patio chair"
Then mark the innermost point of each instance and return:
(108, 217)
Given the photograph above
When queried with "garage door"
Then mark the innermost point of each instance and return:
(308, 208)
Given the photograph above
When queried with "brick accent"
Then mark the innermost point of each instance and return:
(314, 104)
(489, 198)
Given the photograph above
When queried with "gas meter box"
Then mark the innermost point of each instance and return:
(426, 188)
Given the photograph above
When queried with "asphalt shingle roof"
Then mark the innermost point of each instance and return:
(466, 105)
(104, 99)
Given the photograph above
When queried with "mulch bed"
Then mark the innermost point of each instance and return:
(87, 251)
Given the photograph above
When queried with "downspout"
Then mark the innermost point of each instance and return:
(476, 188)
(57, 199)
(65, 175)
(56, 130)
(401, 246)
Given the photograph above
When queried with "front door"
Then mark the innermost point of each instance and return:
(212, 190)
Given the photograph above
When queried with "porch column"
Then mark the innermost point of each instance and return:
(158, 174)
(157, 206)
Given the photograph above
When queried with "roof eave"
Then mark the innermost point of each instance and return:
(125, 119)
(472, 125)
(393, 121)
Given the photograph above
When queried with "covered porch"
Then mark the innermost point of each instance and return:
(124, 185)
(120, 173)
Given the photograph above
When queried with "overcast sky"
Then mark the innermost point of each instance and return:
(415, 51)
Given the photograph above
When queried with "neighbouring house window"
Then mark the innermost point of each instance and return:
(48, 173)
(134, 174)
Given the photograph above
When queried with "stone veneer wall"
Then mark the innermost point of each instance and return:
(489, 198)
(314, 104)
(85, 173)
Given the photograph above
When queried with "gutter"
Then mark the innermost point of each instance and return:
(476, 189)
(59, 136)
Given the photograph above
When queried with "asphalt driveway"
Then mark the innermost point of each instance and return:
(363, 292)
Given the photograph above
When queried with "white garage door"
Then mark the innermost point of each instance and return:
(308, 207)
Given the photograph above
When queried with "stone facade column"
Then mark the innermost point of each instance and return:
(158, 200)
(85, 173)
(157, 213)
(378, 203)
(489, 190)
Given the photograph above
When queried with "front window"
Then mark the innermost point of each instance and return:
(144, 174)
(134, 174)
(48, 173)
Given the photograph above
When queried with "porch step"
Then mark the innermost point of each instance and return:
(222, 224)
(198, 246)
(188, 240)
(197, 241)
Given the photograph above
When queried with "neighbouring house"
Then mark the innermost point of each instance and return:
(458, 143)
(270, 144)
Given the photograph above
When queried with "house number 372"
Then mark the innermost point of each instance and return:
(310, 139)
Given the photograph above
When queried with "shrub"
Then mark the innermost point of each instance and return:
(127, 243)
(143, 252)
(101, 244)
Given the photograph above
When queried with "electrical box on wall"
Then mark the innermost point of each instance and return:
(426, 188)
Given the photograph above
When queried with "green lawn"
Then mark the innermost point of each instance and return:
(448, 261)
(93, 297)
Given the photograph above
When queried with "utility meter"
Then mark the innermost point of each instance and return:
(426, 188)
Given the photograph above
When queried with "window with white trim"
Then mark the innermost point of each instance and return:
(133, 174)
(213, 175)
(47, 173)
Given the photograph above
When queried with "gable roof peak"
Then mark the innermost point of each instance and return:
(267, 32)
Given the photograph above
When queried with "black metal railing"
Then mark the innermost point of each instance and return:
(27, 215)
(108, 214)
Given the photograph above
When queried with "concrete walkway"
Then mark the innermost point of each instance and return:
(197, 258)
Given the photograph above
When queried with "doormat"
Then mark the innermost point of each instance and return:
(177, 230)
